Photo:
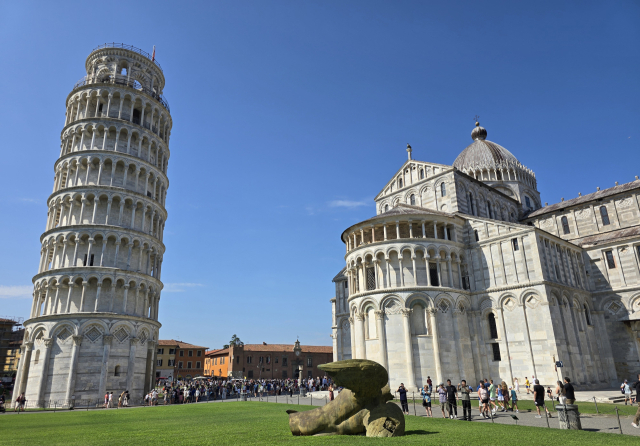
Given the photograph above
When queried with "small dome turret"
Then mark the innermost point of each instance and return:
(478, 133)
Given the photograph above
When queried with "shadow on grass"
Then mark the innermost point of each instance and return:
(419, 432)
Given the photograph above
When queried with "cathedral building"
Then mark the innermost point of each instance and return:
(462, 274)
(94, 324)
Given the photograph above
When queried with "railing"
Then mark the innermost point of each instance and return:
(118, 79)
(130, 48)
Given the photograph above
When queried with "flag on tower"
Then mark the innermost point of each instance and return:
(153, 56)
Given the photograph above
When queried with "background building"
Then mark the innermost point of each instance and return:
(11, 334)
(216, 363)
(94, 321)
(179, 360)
(463, 275)
(271, 361)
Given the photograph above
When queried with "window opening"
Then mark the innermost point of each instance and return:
(496, 351)
(400, 182)
(611, 263)
(565, 225)
(605, 215)
(433, 275)
(489, 209)
(475, 232)
(493, 329)
(443, 189)
(371, 279)
(413, 199)
(514, 242)
(527, 201)
(421, 174)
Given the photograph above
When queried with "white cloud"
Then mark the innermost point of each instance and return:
(347, 204)
(20, 291)
(28, 200)
(179, 287)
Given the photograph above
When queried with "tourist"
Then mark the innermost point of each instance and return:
(466, 400)
(561, 394)
(500, 398)
(125, 400)
(492, 397)
(106, 400)
(636, 419)
(426, 400)
(527, 384)
(626, 391)
(505, 396)
(331, 392)
(429, 384)
(483, 397)
(550, 393)
(120, 400)
(197, 395)
(538, 398)
(516, 384)
(20, 403)
(111, 400)
(452, 398)
(403, 399)
(154, 397)
(442, 396)
(569, 392)
(514, 400)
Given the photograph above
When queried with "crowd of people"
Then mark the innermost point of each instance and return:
(185, 392)
(493, 398)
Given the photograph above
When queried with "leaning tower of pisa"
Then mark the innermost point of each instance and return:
(94, 324)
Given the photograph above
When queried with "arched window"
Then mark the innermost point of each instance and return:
(475, 232)
(399, 182)
(565, 225)
(489, 209)
(386, 207)
(116, 372)
(413, 199)
(587, 315)
(605, 215)
(421, 174)
(443, 189)
(527, 201)
(493, 329)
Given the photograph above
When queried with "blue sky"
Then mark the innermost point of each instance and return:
(290, 116)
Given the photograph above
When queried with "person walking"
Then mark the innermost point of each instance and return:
(568, 390)
(561, 393)
(429, 384)
(492, 397)
(516, 384)
(538, 398)
(514, 400)
(452, 400)
(426, 400)
(465, 397)
(527, 384)
(626, 391)
(442, 397)
(636, 419)
(483, 397)
(403, 399)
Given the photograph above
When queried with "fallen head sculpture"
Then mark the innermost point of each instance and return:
(361, 407)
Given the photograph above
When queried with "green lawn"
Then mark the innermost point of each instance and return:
(255, 423)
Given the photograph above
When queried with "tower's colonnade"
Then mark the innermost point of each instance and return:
(93, 326)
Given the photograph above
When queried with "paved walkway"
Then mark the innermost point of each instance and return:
(590, 422)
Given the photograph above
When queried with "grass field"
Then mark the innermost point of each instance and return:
(256, 423)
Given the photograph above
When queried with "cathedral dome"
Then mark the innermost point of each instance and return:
(483, 154)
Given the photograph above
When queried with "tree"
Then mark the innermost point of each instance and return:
(235, 341)
(225, 346)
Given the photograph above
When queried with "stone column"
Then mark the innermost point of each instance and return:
(456, 340)
(23, 371)
(436, 343)
(149, 366)
(71, 379)
(68, 306)
(353, 337)
(42, 379)
(133, 342)
(381, 338)
(106, 339)
(99, 286)
(411, 379)
(360, 336)
(124, 299)
(450, 278)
